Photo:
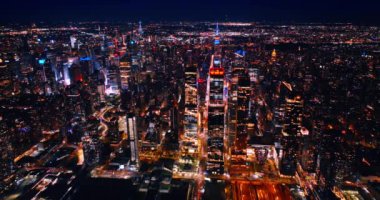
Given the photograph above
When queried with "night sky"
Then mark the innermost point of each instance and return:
(358, 11)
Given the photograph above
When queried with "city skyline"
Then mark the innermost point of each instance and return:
(363, 12)
(192, 100)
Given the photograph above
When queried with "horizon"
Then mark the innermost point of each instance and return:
(363, 12)
(211, 22)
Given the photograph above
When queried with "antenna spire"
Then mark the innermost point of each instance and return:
(217, 29)
(140, 28)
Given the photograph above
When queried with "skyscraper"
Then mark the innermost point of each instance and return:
(125, 71)
(113, 80)
(243, 99)
(290, 132)
(190, 118)
(140, 28)
(73, 41)
(133, 141)
(216, 111)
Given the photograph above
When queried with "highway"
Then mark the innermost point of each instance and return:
(100, 116)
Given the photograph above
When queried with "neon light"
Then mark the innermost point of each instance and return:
(217, 71)
(41, 61)
(85, 59)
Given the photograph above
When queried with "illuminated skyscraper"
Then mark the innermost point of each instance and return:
(125, 72)
(216, 111)
(291, 130)
(243, 99)
(66, 75)
(140, 28)
(273, 55)
(190, 102)
(189, 144)
(133, 140)
(293, 117)
(113, 80)
(73, 41)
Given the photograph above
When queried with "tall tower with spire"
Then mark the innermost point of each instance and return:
(140, 28)
(217, 48)
(216, 107)
(217, 29)
(273, 56)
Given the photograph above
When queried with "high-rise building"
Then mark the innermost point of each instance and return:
(190, 118)
(335, 159)
(101, 91)
(113, 80)
(308, 153)
(76, 73)
(291, 131)
(91, 150)
(293, 117)
(216, 111)
(140, 28)
(174, 112)
(273, 56)
(242, 118)
(133, 141)
(66, 74)
(125, 72)
(73, 41)
(152, 139)
(74, 101)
